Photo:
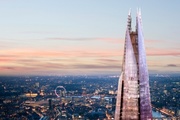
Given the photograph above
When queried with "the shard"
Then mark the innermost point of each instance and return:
(133, 97)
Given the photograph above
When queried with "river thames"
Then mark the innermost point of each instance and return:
(157, 114)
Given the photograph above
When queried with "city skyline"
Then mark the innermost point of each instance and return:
(77, 37)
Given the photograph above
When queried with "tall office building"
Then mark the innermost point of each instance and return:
(133, 97)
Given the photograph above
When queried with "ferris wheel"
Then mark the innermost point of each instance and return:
(60, 91)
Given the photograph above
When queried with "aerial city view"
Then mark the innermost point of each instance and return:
(89, 60)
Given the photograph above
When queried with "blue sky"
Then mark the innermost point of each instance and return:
(78, 36)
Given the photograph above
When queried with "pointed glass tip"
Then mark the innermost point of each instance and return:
(140, 11)
(137, 11)
(129, 11)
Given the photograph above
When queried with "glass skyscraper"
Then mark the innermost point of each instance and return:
(133, 97)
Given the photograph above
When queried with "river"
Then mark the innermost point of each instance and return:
(157, 114)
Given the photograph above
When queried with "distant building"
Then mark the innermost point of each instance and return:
(50, 104)
(133, 97)
(113, 104)
(111, 92)
(37, 84)
(31, 95)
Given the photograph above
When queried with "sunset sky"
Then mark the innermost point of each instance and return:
(84, 37)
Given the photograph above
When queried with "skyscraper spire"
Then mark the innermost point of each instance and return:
(145, 101)
(139, 17)
(133, 97)
(129, 20)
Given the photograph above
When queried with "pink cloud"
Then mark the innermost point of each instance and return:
(53, 53)
(96, 66)
(171, 65)
(32, 60)
(111, 40)
(163, 52)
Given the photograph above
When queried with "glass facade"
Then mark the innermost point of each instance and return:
(133, 97)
